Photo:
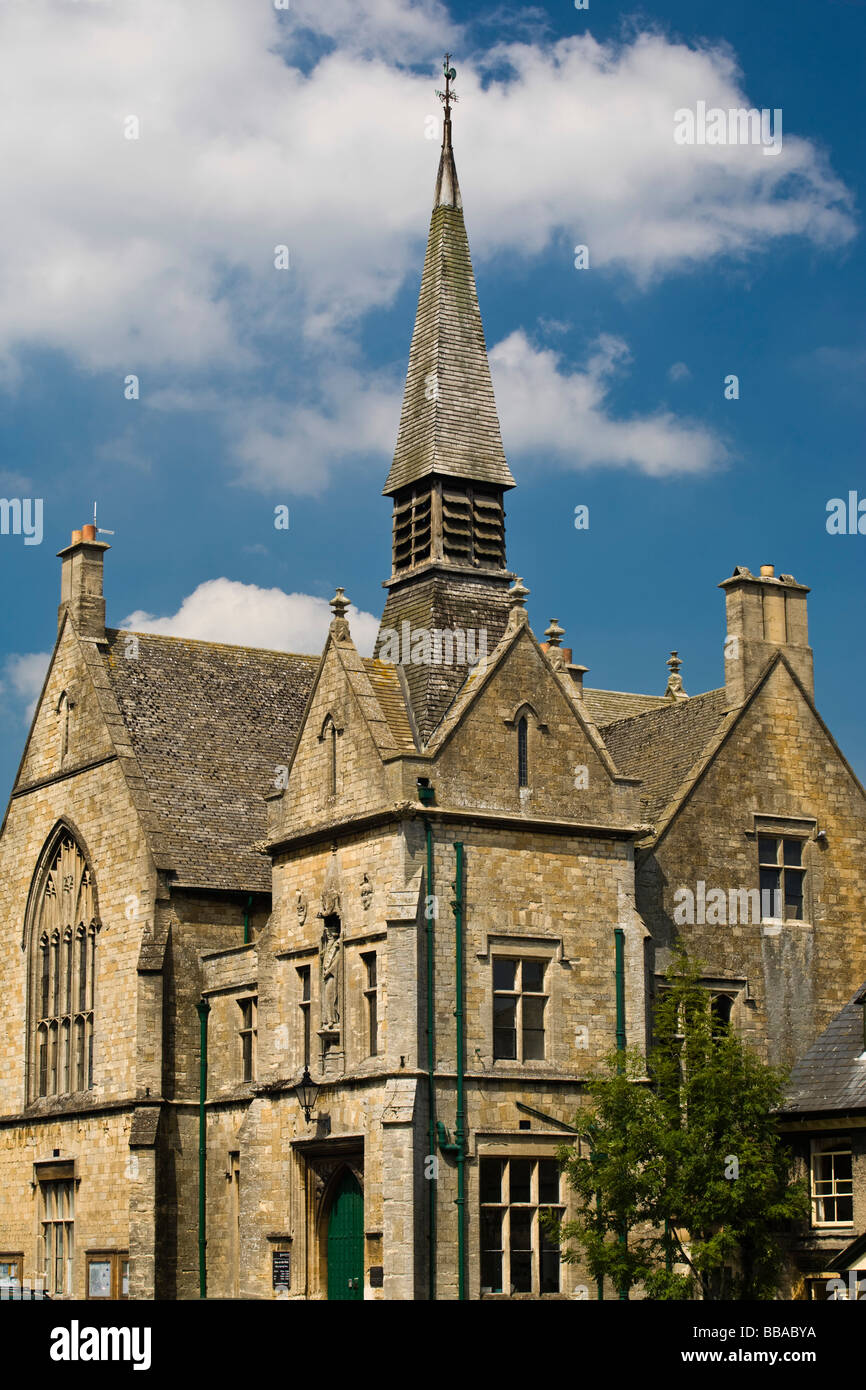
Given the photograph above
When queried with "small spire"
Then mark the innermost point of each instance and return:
(339, 607)
(517, 596)
(555, 654)
(447, 187)
(675, 689)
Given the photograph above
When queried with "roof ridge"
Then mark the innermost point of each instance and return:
(206, 642)
(664, 705)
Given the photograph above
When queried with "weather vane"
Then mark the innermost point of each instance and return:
(448, 96)
(100, 530)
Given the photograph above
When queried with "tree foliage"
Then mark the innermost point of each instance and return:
(680, 1163)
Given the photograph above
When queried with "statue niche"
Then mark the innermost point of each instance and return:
(331, 952)
(331, 967)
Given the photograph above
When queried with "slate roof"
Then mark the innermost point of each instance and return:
(662, 745)
(444, 602)
(832, 1074)
(607, 705)
(209, 724)
(452, 430)
(389, 693)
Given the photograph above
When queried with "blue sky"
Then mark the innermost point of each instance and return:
(154, 256)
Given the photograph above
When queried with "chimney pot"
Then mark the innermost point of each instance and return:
(767, 571)
(81, 584)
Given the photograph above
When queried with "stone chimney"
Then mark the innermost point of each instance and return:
(81, 583)
(765, 614)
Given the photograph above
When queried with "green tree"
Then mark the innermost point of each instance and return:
(681, 1162)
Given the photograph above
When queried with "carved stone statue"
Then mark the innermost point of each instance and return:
(331, 949)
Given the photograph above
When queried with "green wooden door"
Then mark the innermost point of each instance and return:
(346, 1241)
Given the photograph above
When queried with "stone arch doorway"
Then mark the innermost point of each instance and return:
(345, 1239)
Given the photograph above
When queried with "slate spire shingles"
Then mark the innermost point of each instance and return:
(449, 452)
(448, 425)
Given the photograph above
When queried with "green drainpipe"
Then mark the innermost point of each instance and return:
(425, 793)
(203, 1009)
(460, 1130)
(619, 933)
(619, 937)
(247, 920)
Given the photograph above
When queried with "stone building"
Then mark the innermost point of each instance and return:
(824, 1119)
(445, 880)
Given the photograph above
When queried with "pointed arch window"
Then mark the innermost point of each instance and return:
(328, 739)
(525, 743)
(63, 931)
(522, 752)
(65, 706)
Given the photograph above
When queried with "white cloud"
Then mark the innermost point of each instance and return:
(564, 415)
(225, 610)
(23, 675)
(678, 371)
(158, 252)
(306, 128)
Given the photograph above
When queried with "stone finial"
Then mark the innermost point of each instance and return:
(554, 633)
(675, 689)
(555, 655)
(517, 596)
(339, 607)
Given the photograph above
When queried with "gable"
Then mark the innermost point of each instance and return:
(68, 728)
(344, 695)
(570, 775)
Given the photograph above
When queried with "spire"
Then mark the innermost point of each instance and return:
(449, 473)
(447, 187)
(448, 425)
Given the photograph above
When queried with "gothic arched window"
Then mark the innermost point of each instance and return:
(522, 752)
(328, 737)
(63, 928)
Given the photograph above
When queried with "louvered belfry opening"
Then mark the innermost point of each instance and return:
(449, 520)
(413, 530)
(473, 526)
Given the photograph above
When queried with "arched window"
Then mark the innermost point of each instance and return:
(522, 752)
(328, 738)
(720, 1007)
(63, 716)
(63, 928)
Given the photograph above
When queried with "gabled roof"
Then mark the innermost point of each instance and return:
(662, 745)
(605, 706)
(832, 1074)
(448, 424)
(386, 685)
(209, 724)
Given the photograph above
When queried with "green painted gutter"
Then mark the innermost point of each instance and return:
(619, 937)
(619, 933)
(203, 1009)
(431, 1055)
(460, 1130)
